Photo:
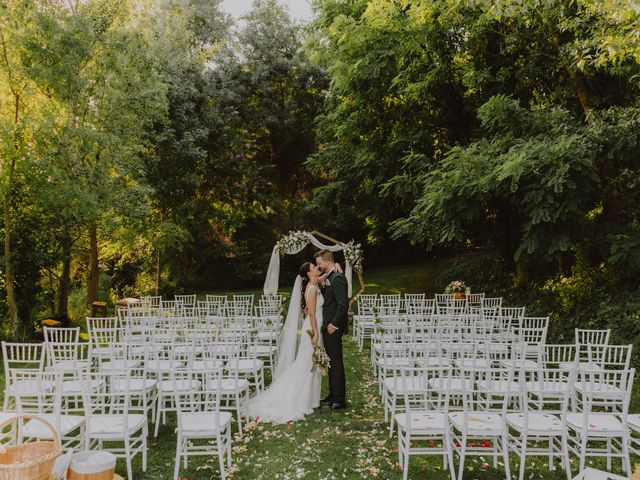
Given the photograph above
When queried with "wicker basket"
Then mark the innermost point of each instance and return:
(29, 461)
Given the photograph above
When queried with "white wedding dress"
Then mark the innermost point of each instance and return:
(296, 391)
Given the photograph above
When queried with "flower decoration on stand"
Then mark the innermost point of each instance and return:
(457, 286)
(353, 254)
(293, 242)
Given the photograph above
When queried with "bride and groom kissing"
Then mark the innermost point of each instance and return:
(319, 303)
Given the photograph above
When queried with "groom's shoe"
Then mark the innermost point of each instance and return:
(338, 406)
(326, 403)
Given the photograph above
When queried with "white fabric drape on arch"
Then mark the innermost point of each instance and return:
(273, 272)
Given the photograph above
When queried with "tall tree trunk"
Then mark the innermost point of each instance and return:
(581, 91)
(93, 273)
(12, 303)
(158, 272)
(8, 270)
(65, 278)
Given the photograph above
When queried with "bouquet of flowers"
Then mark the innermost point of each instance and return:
(457, 286)
(353, 254)
(321, 361)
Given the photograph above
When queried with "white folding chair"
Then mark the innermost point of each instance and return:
(483, 416)
(540, 428)
(102, 331)
(488, 302)
(234, 391)
(602, 398)
(151, 301)
(422, 427)
(364, 321)
(186, 300)
(40, 393)
(19, 357)
(475, 299)
(65, 353)
(203, 429)
(109, 419)
(165, 360)
(592, 337)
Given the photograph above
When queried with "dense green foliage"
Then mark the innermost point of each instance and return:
(158, 146)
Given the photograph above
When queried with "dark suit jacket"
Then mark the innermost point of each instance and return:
(336, 302)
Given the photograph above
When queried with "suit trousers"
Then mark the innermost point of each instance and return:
(337, 384)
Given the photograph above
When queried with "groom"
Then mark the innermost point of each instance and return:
(334, 326)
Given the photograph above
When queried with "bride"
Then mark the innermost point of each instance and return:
(296, 389)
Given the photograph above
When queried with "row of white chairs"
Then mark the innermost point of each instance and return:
(206, 310)
(149, 356)
(442, 371)
(496, 412)
(209, 300)
(374, 308)
(114, 410)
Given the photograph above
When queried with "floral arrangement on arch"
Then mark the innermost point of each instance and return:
(353, 254)
(457, 286)
(292, 242)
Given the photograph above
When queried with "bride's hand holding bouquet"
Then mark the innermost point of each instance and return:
(320, 358)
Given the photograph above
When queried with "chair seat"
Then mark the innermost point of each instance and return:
(245, 365)
(396, 385)
(207, 365)
(189, 348)
(75, 387)
(395, 362)
(179, 385)
(498, 347)
(119, 365)
(601, 423)
(590, 366)
(634, 421)
(455, 385)
(389, 347)
(527, 364)
(500, 386)
(102, 352)
(546, 387)
(203, 424)
(68, 365)
(422, 423)
(113, 425)
(540, 424)
(266, 335)
(31, 386)
(479, 423)
(136, 385)
(265, 350)
(598, 387)
(163, 365)
(68, 423)
(229, 385)
(433, 362)
(473, 362)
